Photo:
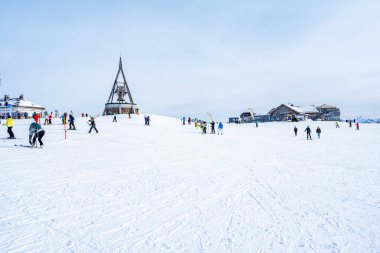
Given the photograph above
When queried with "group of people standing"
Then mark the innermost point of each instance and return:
(308, 132)
(203, 125)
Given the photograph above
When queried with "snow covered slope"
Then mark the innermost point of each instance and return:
(167, 188)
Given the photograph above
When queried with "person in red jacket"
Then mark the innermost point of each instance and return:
(357, 126)
(36, 117)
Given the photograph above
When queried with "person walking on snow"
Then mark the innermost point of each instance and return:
(357, 126)
(46, 119)
(220, 128)
(92, 124)
(71, 121)
(114, 118)
(36, 132)
(336, 124)
(9, 124)
(183, 120)
(50, 117)
(189, 121)
(308, 132)
(148, 120)
(319, 131)
(295, 130)
(212, 127)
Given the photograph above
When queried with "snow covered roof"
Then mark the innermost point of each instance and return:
(304, 109)
(324, 106)
(18, 102)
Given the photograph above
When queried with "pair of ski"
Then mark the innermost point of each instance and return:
(27, 146)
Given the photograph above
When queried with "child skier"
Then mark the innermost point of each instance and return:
(220, 128)
(319, 131)
(92, 124)
(36, 132)
(9, 124)
(295, 130)
(308, 133)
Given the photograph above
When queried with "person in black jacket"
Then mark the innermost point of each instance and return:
(92, 124)
(308, 133)
(319, 131)
(71, 120)
(295, 131)
(212, 127)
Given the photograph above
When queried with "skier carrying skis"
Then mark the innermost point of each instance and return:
(308, 132)
(295, 130)
(212, 127)
(9, 124)
(220, 128)
(71, 121)
(318, 131)
(36, 132)
(92, 124)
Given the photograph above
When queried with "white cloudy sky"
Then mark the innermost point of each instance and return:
(193, 57)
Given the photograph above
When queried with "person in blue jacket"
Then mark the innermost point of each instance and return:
(36, 132)
(220, 128)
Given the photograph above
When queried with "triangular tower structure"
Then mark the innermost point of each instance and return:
(117, 103)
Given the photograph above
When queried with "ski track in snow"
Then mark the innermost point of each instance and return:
(167, 188)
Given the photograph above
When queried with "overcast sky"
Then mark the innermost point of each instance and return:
(193, 57)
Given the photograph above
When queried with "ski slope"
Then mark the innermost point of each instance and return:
(167, 188)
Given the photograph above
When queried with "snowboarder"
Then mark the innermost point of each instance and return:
(9, 124)
(71, 121)
(114, 118)
(295, 130)
(308, 132)
(212, 127)
(36, 132)
(220, 128)
(357, 126)
(189, 121)
(336, 124)
(92, 124)
(318, 131)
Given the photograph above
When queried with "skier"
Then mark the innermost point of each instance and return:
(336, 124)
(357, 126)
(319, 131)
(189, 121)
(204, 127)
(46, 117)
(295, 130)
(114, 118)
(36, 117)
(212, 127)
(220, 128)
(92, 124)
(308, 132)
(36, 132)
(71, 121)
(9, 124)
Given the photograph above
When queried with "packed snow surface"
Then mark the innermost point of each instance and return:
(168, 188)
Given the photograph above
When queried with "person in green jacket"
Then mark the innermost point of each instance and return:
(36, 132)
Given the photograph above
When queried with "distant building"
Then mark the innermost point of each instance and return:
(234, 120)
(246, 117)
(328, 112)
(18, 107)
(290, 112)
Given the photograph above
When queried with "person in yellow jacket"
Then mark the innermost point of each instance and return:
(9, 124)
